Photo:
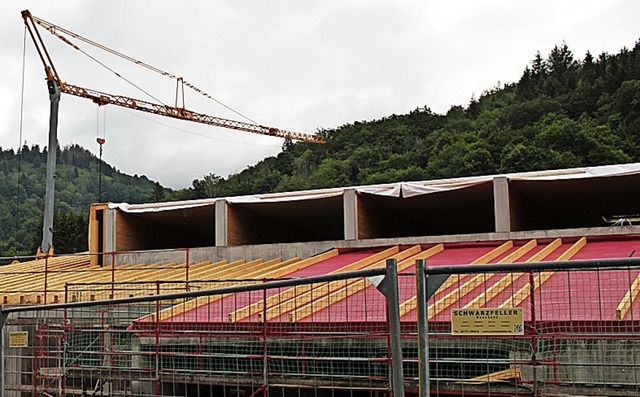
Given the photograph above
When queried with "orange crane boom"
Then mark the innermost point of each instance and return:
(56, 86)
(102, 98)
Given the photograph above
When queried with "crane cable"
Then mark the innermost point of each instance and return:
(194, 133)
(67, 41)
(19, 182)
(52, 28)
(104, 122)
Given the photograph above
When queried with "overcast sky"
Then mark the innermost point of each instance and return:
(291, 64)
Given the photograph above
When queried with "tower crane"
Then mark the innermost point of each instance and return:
(56, 86)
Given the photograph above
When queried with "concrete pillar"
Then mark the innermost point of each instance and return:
(350, 211)
(109, 230)
(501, 204)
(221, 223)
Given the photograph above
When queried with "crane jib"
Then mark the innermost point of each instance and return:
(102, 98)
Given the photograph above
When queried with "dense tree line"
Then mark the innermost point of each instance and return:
(22, 188)
(563, 112)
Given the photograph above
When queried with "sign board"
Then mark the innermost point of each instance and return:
(506, 321)
(19, 339)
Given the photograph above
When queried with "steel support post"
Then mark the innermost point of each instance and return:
(393, 300)
(423, 330)
(3, 347)
(52, 151)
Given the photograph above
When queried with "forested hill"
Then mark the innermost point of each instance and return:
(563, 112)
(22, 196)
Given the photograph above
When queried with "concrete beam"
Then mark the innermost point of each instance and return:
(109, 230)
(502, 208)
(350, 210)
(221, 223)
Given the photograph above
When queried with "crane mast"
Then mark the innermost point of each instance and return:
(56, 86)
(53, 86)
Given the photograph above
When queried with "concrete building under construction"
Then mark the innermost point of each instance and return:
(281, 294)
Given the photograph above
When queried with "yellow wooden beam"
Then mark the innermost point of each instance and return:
(204, 270)
(507, 374)
(299, 265)
(302, 295)
(508, 279)
(220, 271)
(318, 294)
(166, 272)
(523, 293)
(520, 252)
(127, 273)
(275, 273)
(286, 295)
(351, 287)
(411, 303)
(484, 259)
(625, 304)
(327, 300)
(463, 290)
(494, 253)
(28, 275)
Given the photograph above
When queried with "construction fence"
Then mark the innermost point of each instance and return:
(543, 329)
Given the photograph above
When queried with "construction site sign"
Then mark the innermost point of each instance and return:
(506, 321)
(19, 339)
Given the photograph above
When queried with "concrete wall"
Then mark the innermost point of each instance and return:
(496, 209)
(305, 250)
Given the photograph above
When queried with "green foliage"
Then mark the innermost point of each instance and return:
(21, 203)
(563, 112)
(70, 234)
(158, 194)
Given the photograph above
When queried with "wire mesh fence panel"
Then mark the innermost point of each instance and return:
(80, 351)
(588, 337)
(331, 335)
(579, 332)
(248, 339)
(475, 353)
(507, 331)
(83, 277)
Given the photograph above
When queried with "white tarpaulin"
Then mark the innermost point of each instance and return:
(282, 197)
(399, 189)
(159, 207)
(586, 172)
(411, 189)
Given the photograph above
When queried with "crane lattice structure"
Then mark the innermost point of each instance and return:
(103, 98)
(56, 86)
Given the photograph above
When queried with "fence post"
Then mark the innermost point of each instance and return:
(534, 332)
(265, 345)
(157, 325)
(393, 301)
(46, 277)
(186, 270)
(3, 318)
(423, 331)
(113, 275)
